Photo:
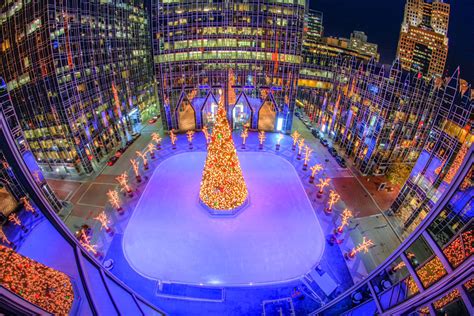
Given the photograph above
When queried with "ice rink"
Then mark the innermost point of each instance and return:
(170, 236)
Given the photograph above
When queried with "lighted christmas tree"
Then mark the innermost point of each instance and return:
(223, 186)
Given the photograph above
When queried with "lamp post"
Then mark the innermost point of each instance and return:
(244, 135)
(314, 169)
(190, 136)
(295, 137)
(321, 185)
(261, 139)
(307, 157)
(333, 198)
(279, 138)
(173, 139)
(300, 148)
(362, 247)
(114, 200)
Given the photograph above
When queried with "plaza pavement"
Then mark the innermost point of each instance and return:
(88, 196)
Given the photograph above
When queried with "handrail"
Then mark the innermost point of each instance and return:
(443, 200)
(23, 173)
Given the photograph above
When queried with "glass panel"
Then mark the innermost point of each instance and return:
(431, 272)
(461, 248)
(358, 298)
(368, 308)
(395, 285)
(147, 310)
(98, 290)
(125, 302)
(450, 304)
(418, 252)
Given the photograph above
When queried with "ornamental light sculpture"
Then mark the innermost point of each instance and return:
(4, 238)
(279, 138)
(155, 137)
(307, 157)
(362, 247)
(345, 216)
(104, 222)
(173, 139)
(244, 135)
(144, 159)
(300, 148)
(295, 137)
(333, 198)
(261, 139)
(223, 187)
(190, 136)
(314, 169)
(205, 130)
(136, 170)
(321, 185)
(123, 181)
(85, 242)
(15, 220)
(114, 200)
(28, 207)
(151, 150)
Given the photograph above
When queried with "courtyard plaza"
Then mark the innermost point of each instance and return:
(88, 199)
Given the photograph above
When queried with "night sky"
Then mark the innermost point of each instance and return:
(381, 20)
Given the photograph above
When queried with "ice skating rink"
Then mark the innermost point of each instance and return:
(170, 236)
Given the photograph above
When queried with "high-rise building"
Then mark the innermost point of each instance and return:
(423, 43)
(358, 42)
(251, 51)
(79, 74)
(313, 29)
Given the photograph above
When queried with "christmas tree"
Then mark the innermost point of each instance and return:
(223, 186)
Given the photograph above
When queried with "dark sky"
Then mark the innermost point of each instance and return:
(381, 20)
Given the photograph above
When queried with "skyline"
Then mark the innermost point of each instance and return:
(461, 26)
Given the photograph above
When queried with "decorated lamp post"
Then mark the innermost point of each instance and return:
(123, 181)
(28, 207)
(190, 136)
(85, 241)
(307, 157)
(151, 150)
(295, 137)
(144, 159)
(104, 222)
(300, 148)
(345, 216)
(155, 137)
(362, 247)
(114, 200)
(321, 185)
(244, 135)
(261, 139)
(333, 198)
(173, 139)
(15, 220)
(136, 170)
(314, 169)
(279, 138)
(397, 267)
(206, 135)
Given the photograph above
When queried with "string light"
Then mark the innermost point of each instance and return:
(151, 150)
(307, 156)
(173, 138)
(144, 159)
(448, 298)
(155, 137)
(362, 247)
(244, 135)
(300, 148)
(45, 287)
(321, 185)
(295, 137)
(223, 186)
(314, 169)
(4, 238)
(104, 222)
(206, 134)
(411, 285)
(114, 200)
(431, 272)
(85, 242)
(136, 169)
(460, 248)
(397, 267)
(261, 138)
(345, 216)
(27, 205)
(190, 136)
(333, 198)
(123, 181)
